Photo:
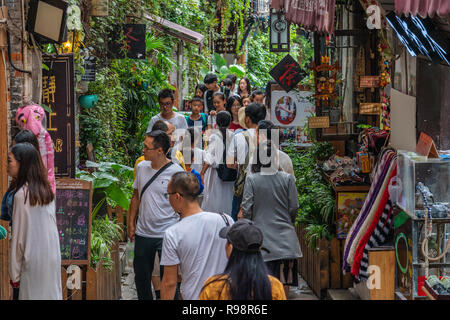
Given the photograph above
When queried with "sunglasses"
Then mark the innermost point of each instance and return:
(167, 194)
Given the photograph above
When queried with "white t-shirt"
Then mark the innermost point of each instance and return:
(238, 147)
(212, 121)
(178, 121)
(195, 245)
(155, 212)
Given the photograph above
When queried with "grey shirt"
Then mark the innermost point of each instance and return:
(178, 121)
(271, 201)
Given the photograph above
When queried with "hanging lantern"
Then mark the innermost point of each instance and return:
(279, 32)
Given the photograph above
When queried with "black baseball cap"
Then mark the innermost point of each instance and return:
(244, 236)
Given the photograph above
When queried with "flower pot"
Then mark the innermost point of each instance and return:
(88, 101)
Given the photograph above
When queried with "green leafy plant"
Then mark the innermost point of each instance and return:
(322, 151)
(315, 195)
(115, 181)
(104, 233)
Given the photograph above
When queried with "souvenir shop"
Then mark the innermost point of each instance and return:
(382, 100)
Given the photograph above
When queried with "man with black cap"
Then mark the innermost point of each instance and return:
(192, 244)
(246, 276)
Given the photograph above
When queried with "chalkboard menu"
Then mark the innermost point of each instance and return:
(73, 218)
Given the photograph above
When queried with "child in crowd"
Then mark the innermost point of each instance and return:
(197, 115)
(244, 88)
(234, 103)
(226, 83)
(246, 101)
(257, 96)
(219, 102)
(200, 90)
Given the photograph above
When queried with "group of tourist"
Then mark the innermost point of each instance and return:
(211, 214)
(214, 202)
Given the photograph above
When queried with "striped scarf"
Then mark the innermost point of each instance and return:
(377, 238)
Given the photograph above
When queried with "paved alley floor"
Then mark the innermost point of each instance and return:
(302, 292)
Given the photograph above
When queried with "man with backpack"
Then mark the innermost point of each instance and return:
(241, 148)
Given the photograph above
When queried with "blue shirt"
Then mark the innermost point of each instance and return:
(203, 119)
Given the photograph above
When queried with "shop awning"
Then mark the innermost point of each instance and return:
(422, 7)
(176, 30)
(313, 15)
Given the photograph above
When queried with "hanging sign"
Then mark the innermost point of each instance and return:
(318, 122)
(287, 73)
(228, 43)
(279, 32)
(89, 69)
(426, 147)
(133, 44)
(369, 81)
(58, 94)
(73, 219)
(370, 108)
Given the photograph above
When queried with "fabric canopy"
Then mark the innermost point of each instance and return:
(314, 15)
(423, 7)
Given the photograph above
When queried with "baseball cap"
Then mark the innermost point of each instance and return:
(244, 236)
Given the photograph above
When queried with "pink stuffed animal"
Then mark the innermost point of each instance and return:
(32, 118)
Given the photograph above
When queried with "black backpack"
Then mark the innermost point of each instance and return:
(225, 173)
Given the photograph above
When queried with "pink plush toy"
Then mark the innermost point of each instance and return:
(33, 118)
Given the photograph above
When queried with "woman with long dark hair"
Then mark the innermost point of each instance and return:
(270, 200)
(234, 103)
(246, 276)
(244, 88)
(218, 194)
(8, 198)
(35, 256)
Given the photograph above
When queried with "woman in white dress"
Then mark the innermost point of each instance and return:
(35, 256)
(218, 194)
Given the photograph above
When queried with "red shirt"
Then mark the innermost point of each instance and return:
(234, 126)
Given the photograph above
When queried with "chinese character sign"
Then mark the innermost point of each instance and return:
(133, 43)
(58, 95)
(287, 73)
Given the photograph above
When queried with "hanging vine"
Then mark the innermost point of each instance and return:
(233, 12)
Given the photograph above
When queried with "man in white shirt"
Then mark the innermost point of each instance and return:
(166, 99)
(238, 149)
(155, 212)
(193, 244)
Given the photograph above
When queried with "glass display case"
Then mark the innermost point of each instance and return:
(418, 178)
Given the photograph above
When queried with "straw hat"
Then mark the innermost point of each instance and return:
(241, 116)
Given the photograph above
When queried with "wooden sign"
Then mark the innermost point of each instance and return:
(228, 43)
(370, 108)
(287, 73)
(73, 218)
(99, 8)
(58, 94)
(426, 147)
(318, 122)
(369, 81)
(134, 45)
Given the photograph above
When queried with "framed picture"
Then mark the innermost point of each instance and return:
(349, 205)
(291, 109)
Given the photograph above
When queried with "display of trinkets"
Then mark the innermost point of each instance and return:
(343, 170)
